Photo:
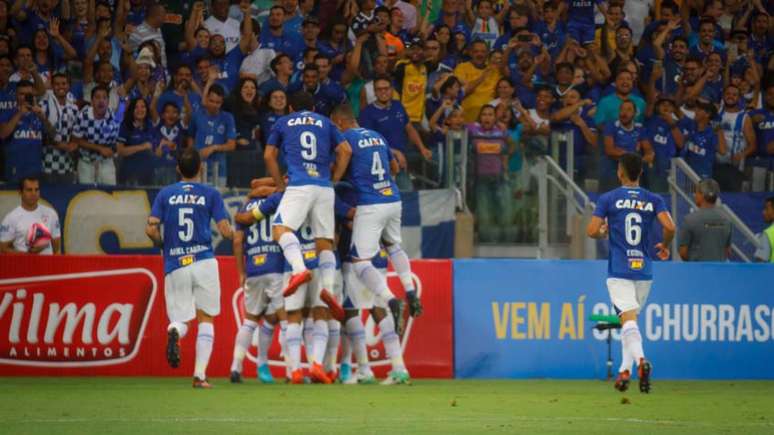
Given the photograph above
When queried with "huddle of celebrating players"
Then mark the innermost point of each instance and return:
(291, 272)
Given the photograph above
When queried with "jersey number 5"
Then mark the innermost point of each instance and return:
(308, 146)
(633, 222)
(184, 219)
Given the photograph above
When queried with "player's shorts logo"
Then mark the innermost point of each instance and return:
(75, 320)
(259, 260)
(186, 260)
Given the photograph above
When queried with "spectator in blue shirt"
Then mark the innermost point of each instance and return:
(213, 133)
(388, 117)
(310, 83)
(622, 136)
(550, 30)
(135, 145)
(168, 144)
(703, 142)
(22, 131)
(663, 132)
(574, 119)
(276, 106)
(179, 87)
(282, 67)
(280, 38)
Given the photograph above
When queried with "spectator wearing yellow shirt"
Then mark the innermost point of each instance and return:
(479, 79)
(411, 80)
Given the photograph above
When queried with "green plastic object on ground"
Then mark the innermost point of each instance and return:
(605, 318)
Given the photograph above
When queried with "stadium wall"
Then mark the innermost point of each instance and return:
(529, 319)
(109, 220)
(105, 315)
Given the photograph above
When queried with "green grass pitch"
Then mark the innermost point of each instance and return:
(169, 405)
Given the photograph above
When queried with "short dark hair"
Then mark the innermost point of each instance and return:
(100, 88)
(24, 84)
(769, 200)
(628, 101)
(344, 110)
(217, 90)
(277, 7)
(322, 56)
(302, 101)
(26, 179)
(382, 9)
(671, 5)
(275, 62)
(189, 162)
(632, 165)
(60, 74)
(565, 65)
(384, 79)
(311, 67)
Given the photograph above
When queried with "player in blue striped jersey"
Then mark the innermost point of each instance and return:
(627, 215)
(191, 284)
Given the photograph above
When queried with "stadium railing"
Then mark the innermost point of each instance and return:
(682, 183)
(564, 210)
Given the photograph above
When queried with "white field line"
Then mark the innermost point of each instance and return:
(333, 420)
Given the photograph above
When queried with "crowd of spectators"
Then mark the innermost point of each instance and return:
(110, 91)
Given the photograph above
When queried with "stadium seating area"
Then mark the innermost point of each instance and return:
(470, 94)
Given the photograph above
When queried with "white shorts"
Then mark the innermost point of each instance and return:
(372, 224)
(191, 288)
(628, 295)
(360, 297)
(263, 292)
(314, 202)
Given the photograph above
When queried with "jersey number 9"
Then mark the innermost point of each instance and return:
(308, 146)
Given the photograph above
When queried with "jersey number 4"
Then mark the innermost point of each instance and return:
(377, 168)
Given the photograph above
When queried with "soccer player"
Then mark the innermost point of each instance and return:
(630, 212)
(191, 284)
(308, 141)
(304, 309)
(378, 218)
(260, 265)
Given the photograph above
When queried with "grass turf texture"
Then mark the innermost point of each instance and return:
(170, 405)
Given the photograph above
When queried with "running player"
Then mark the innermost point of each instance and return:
(630, 212)
(378, 218)
(308, 141)
(191, 284)
(260, 266)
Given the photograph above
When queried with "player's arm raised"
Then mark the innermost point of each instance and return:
(665, 219)
(343, 155)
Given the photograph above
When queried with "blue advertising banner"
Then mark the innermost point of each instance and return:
(529, 319)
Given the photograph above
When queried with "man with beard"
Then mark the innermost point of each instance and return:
(609, 106)
(228, 63)
(277, 37)
(479, 79)
(62, 113)
(738, 130)
(177, 89)
(674, 62)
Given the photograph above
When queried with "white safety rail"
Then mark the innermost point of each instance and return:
(682, 184)
(564, 209)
